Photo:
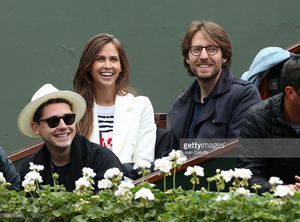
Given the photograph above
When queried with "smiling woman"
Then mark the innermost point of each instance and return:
(116, 118)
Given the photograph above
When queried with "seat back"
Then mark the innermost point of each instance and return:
(270, 84)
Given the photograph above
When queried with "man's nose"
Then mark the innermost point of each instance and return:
(62, 124)
(203, 53)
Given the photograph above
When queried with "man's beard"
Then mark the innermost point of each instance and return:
(205, 79)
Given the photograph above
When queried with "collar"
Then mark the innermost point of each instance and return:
(222, 86)
(125, 102)
(78, 154)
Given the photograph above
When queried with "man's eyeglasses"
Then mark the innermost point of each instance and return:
(210, 49)
(54, 121)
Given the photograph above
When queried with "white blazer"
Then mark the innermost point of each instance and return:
(134, 129)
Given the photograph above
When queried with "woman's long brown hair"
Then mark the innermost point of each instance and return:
(83, 82)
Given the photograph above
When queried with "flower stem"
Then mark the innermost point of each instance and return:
(174, 181)
(165, 183)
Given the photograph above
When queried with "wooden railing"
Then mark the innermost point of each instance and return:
(194, 160)
(23, 153)
(161, 120)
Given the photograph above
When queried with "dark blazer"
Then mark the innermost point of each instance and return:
(83, 154)
(222, 114)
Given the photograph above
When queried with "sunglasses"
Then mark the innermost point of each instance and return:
(54, 121)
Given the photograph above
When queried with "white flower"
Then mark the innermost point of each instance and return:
(34, 176)
(227, 175)
(242, 173)
(144, 193)
(181, 160)
(142, 164)
(104, 184)
(35, 167)
(112, 172)
(29, 185)
(124, 189)
(198, 170)
(282, 191)
(174, 154)
(177, 156)
(82, 183)
(126, 185)
(164, 165)
(275, 181)
(88, 172)
(2, 179)
(243, 191)
(222, 197)
(120, 192)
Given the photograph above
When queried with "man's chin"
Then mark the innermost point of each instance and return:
(64, 144)
(207, 77)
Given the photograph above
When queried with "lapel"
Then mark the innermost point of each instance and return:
(182, 112)
(95, 132)
(122, 120)
(43, 158)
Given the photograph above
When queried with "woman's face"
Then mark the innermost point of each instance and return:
(106, 68)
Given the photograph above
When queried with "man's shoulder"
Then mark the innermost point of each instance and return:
(186, 93)
(242, 85)
(266, 107)
(241, 82)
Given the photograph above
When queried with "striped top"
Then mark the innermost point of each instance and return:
(106, 123)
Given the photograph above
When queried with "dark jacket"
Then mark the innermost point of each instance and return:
(83, 154)
(265, 120)
(222, 114)
(9, 171)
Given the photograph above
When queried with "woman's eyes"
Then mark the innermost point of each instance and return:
(113, 59)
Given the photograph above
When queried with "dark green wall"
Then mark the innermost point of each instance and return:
(41, 42)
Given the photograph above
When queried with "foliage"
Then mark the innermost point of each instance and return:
(174, 205)
(123, 201)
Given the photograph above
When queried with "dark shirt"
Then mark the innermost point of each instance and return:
(197, 114)
(83, 154)
(62, 171)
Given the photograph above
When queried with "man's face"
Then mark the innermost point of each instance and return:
(205, 66)
(60, 137)
(295, 102)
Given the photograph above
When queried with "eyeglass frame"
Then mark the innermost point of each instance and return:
(71, 119)
(204, 47)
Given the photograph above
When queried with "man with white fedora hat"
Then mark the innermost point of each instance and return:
(52, 115)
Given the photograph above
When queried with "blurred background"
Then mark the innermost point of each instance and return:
(41, 42)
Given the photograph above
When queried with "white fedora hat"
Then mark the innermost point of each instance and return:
(45, 93)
